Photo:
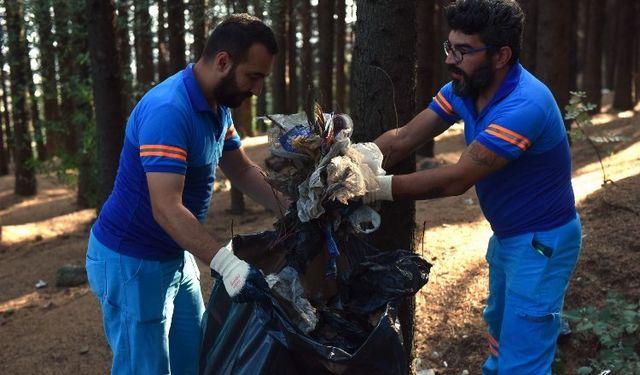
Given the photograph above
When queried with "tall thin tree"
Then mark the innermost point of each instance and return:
(107, 90)
(326, 32)
(6, 116)
(123, 43)
(306, 59)
(292, 57)
(593, 56)
(34, 110)
(143, 46)
(48, 58)
(382, 78)
(552, 67)
(529, 40)
(278, 81)
(177, 44)
(163, 44)
(199, 27)
(341, 39)
(625, 43)
(25, 183)
(425, 62)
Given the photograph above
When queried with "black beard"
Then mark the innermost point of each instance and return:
(471, 86)
(227, 92)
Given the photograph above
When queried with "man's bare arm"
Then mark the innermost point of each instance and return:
(476, 163)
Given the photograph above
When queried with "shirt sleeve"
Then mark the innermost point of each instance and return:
(164, 140)
(441, 104)
(514, 131)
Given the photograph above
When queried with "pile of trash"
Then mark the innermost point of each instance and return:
(333, 301)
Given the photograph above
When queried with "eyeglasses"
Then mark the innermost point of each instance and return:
(457, 54)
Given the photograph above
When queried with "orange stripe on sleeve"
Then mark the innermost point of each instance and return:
(506, 138)
(165, 154)
(230, 133)
(511, 133)
(444, 104)
(163, 147)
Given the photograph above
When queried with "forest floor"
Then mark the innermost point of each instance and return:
(54, 330)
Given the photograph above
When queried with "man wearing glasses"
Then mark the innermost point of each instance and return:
(518, 158)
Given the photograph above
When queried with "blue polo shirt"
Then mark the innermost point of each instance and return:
(523, 124)
(173, 130)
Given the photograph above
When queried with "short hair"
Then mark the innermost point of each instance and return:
(498, 22)
(236, 34)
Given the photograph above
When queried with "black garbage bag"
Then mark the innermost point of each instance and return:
(378, 279)
(258, 338)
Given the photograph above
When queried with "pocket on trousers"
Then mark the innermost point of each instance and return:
(146, 296)
(97, 275)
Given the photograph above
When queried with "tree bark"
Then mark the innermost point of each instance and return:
(383, 97)
(163, 45)
(625, 43)
(425, 64)
(278, 80)
(25, 183)
(124, 50)
(326, 32)
(4, 149)
(610, 34)
(177, 45)
(36, 123)
(199, 28)
(143, 46)
(292, 58)
(5, 105)
(552, 67)
(306, 57)
(593, 56)
(529, 39)
(48, 59)
(107, 88)
(341, 37)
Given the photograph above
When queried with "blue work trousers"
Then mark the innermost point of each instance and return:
(152, 310)
(528, 279)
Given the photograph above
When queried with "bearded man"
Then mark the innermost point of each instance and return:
(518, 159)
(140, 258)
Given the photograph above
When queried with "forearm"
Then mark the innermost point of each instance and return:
(429, 184)
(251, 181)
(187, 231)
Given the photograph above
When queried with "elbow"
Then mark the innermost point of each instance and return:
(160, 214)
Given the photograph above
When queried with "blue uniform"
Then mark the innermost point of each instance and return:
(172, 129)
(530, 206)
(523, 124)
(147, 285)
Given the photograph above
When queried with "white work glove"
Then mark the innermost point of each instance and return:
(384, 193)
(242, 281)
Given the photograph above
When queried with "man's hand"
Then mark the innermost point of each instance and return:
(242, 281)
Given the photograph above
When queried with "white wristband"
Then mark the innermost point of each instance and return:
(385, 193)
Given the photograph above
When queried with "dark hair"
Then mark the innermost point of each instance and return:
(498, 22)
(236, 34)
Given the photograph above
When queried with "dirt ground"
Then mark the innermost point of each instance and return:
(55, 330)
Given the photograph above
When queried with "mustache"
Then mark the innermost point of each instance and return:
(455, 69)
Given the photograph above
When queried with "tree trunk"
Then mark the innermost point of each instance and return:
(341, 39)
(163, 45)
(593, 56)
(36, 123)
(623, 93)
(306, 59)
(66, 76)
(326, 33)
(552, 67)
(278, 81)
(177, 60)
(82, 120)
(292, 58)
(425, 63)
(610, 34)
(199, 28)
(143, 47)
(383, 62)
(107, 89)
(529, 45)
(4, 149)
(5, 105)
(124, 50)
(42, 13)
(25, 183)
